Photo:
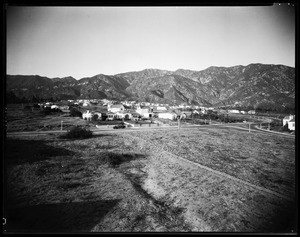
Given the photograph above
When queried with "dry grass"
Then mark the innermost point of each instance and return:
(264, 160)
(19, 119)
(126, 183)
(81, 186)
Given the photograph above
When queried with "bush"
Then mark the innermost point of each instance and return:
(78, 132)
(95, 117)
(36, 106)
(75, 113)
(285, 128)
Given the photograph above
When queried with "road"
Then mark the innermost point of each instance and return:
(97, 131)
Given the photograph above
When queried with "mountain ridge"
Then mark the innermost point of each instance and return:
(215, 86)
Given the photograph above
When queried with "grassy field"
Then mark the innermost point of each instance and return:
(126, 182)
(18, 119)
(268, 161)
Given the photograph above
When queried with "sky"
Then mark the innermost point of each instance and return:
(86, 41)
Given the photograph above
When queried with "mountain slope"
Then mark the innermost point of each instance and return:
(253, 85)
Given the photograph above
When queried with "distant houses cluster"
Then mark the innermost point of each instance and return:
(132, 110)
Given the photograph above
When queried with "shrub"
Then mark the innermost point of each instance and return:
(36, 106)
(95, 117)
(78, 132)
(75, 113)
(285, 128)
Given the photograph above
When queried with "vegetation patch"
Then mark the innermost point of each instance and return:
(77, 132)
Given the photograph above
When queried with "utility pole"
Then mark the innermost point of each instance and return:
(249, 127)
(178, 123)
(61, 125)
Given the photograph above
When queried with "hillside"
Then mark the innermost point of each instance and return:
(255, 85)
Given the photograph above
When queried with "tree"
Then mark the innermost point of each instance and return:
(286, 128)
(75, 113)
(95, 117)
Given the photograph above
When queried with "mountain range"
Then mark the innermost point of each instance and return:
(255, 85)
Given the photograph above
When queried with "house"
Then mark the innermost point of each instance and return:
(86, 104)
(65, 108)
(291, 124)
(251, 112)
(167, 115)
(123, 115)
(54, 107)
(233, 111)
(243, 112)
(135, 116)
(115, 108)
(145, 111)
(87, 115)
(161, 108)
(187, 113)
(286, 119)
(111, 116)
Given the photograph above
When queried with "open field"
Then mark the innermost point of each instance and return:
(134, 181)
(18, 119)
(252, 157)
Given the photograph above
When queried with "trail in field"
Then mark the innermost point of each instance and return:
(212, 202)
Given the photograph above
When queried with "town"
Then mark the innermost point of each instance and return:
(133, 113)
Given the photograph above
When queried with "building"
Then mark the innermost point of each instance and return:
(167, 115)
(291, 124)
(161, 108)
(286, 119)
(115, 108)
(145, 111)
(86, 103)
(123, 115)
(111, 116)
(233, 111)
(87, 115)
(251, 112)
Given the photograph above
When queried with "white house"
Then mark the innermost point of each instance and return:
(54, 107)
(286, 119)
(291, 124)
(251, 112)
(87, 115)
(123, 115)
(161, 108)
(110, 116)
(115, 108)
(167, 115)
(233, 111)
(145, 111)
(86, 104)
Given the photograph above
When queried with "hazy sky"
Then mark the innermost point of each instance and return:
(85, 41)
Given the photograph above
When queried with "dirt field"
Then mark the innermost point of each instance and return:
(133, 181)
